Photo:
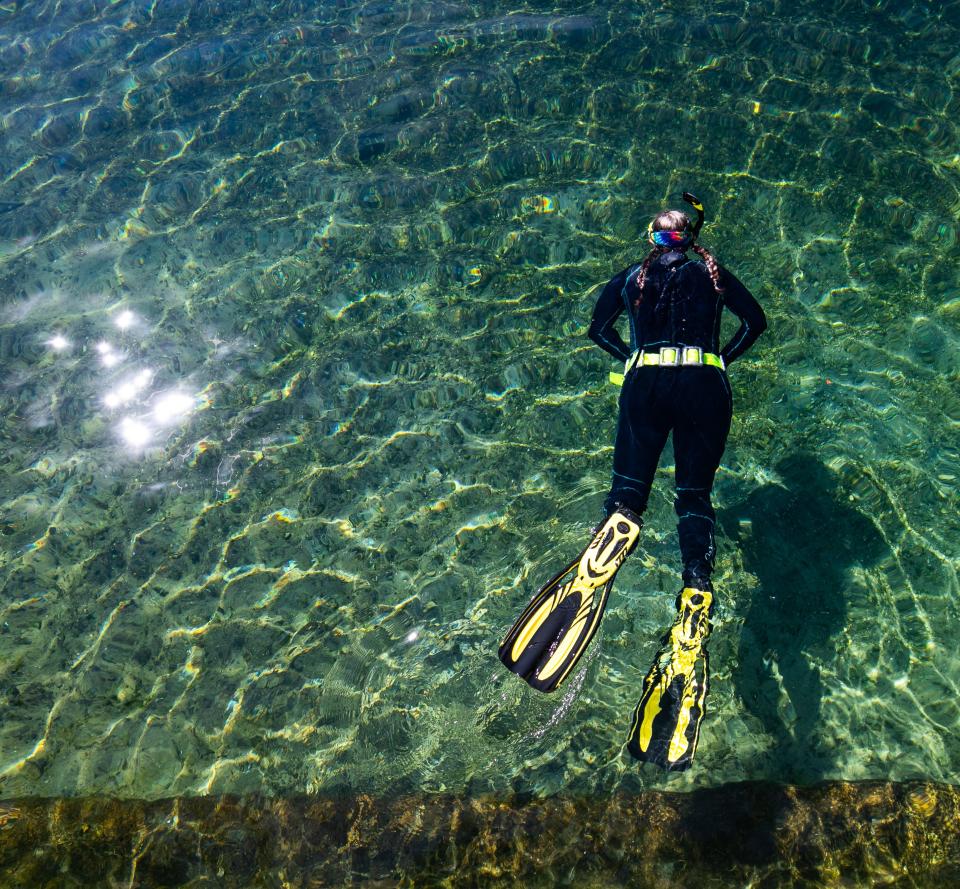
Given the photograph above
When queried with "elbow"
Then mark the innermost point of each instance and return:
(761, 324)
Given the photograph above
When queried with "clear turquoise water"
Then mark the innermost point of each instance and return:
(297, 407)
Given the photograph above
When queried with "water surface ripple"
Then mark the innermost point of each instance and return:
(297, 407)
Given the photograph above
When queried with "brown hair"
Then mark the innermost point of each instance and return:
(711, 263)
(675, 221)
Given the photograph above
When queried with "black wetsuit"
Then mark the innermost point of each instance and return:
(679, 307)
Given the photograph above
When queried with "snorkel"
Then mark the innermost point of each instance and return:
(693, 202)
(681, 239)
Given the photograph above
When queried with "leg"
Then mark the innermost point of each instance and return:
(666, 723)
(641, 434)
(552, 633)
(699, 438)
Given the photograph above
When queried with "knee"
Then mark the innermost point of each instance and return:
(693, 501)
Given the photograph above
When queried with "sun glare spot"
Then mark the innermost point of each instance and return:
(172, 406)
(134, 433)
(125, 319)
(127, 391)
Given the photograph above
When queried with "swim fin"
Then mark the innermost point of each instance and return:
(547, 640)
(666, 723)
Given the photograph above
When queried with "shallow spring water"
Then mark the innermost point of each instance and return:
(297, 408)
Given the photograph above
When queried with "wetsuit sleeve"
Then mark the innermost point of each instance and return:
(753, 322)
(605, 313)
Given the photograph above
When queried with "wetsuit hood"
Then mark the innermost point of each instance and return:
(674, 257)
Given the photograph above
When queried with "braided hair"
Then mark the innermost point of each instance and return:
(711, 263)
(675, 221)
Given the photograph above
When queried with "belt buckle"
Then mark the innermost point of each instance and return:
(674, 358)
(692, 355)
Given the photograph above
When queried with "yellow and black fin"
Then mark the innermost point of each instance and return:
(547, 640)
(666, 723)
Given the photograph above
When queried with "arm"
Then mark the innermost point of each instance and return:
(605, 313)
(753, 322)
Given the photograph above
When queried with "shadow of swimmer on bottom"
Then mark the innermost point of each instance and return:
(799, 537)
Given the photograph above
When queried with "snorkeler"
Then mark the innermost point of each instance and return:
(674, 380)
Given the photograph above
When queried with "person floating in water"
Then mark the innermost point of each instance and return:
(675, 381)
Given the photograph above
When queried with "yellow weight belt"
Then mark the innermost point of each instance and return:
(669, 356)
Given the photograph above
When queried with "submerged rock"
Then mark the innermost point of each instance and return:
(736, 835)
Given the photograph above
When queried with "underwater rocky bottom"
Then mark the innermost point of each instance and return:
(751, 834)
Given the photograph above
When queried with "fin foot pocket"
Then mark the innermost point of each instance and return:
(666, 722)
(554, 630)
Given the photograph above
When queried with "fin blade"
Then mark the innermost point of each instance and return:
(554, 630)
(645, 715)
(530, 620)
(574, 642)
(530, 628)
(665, 729)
